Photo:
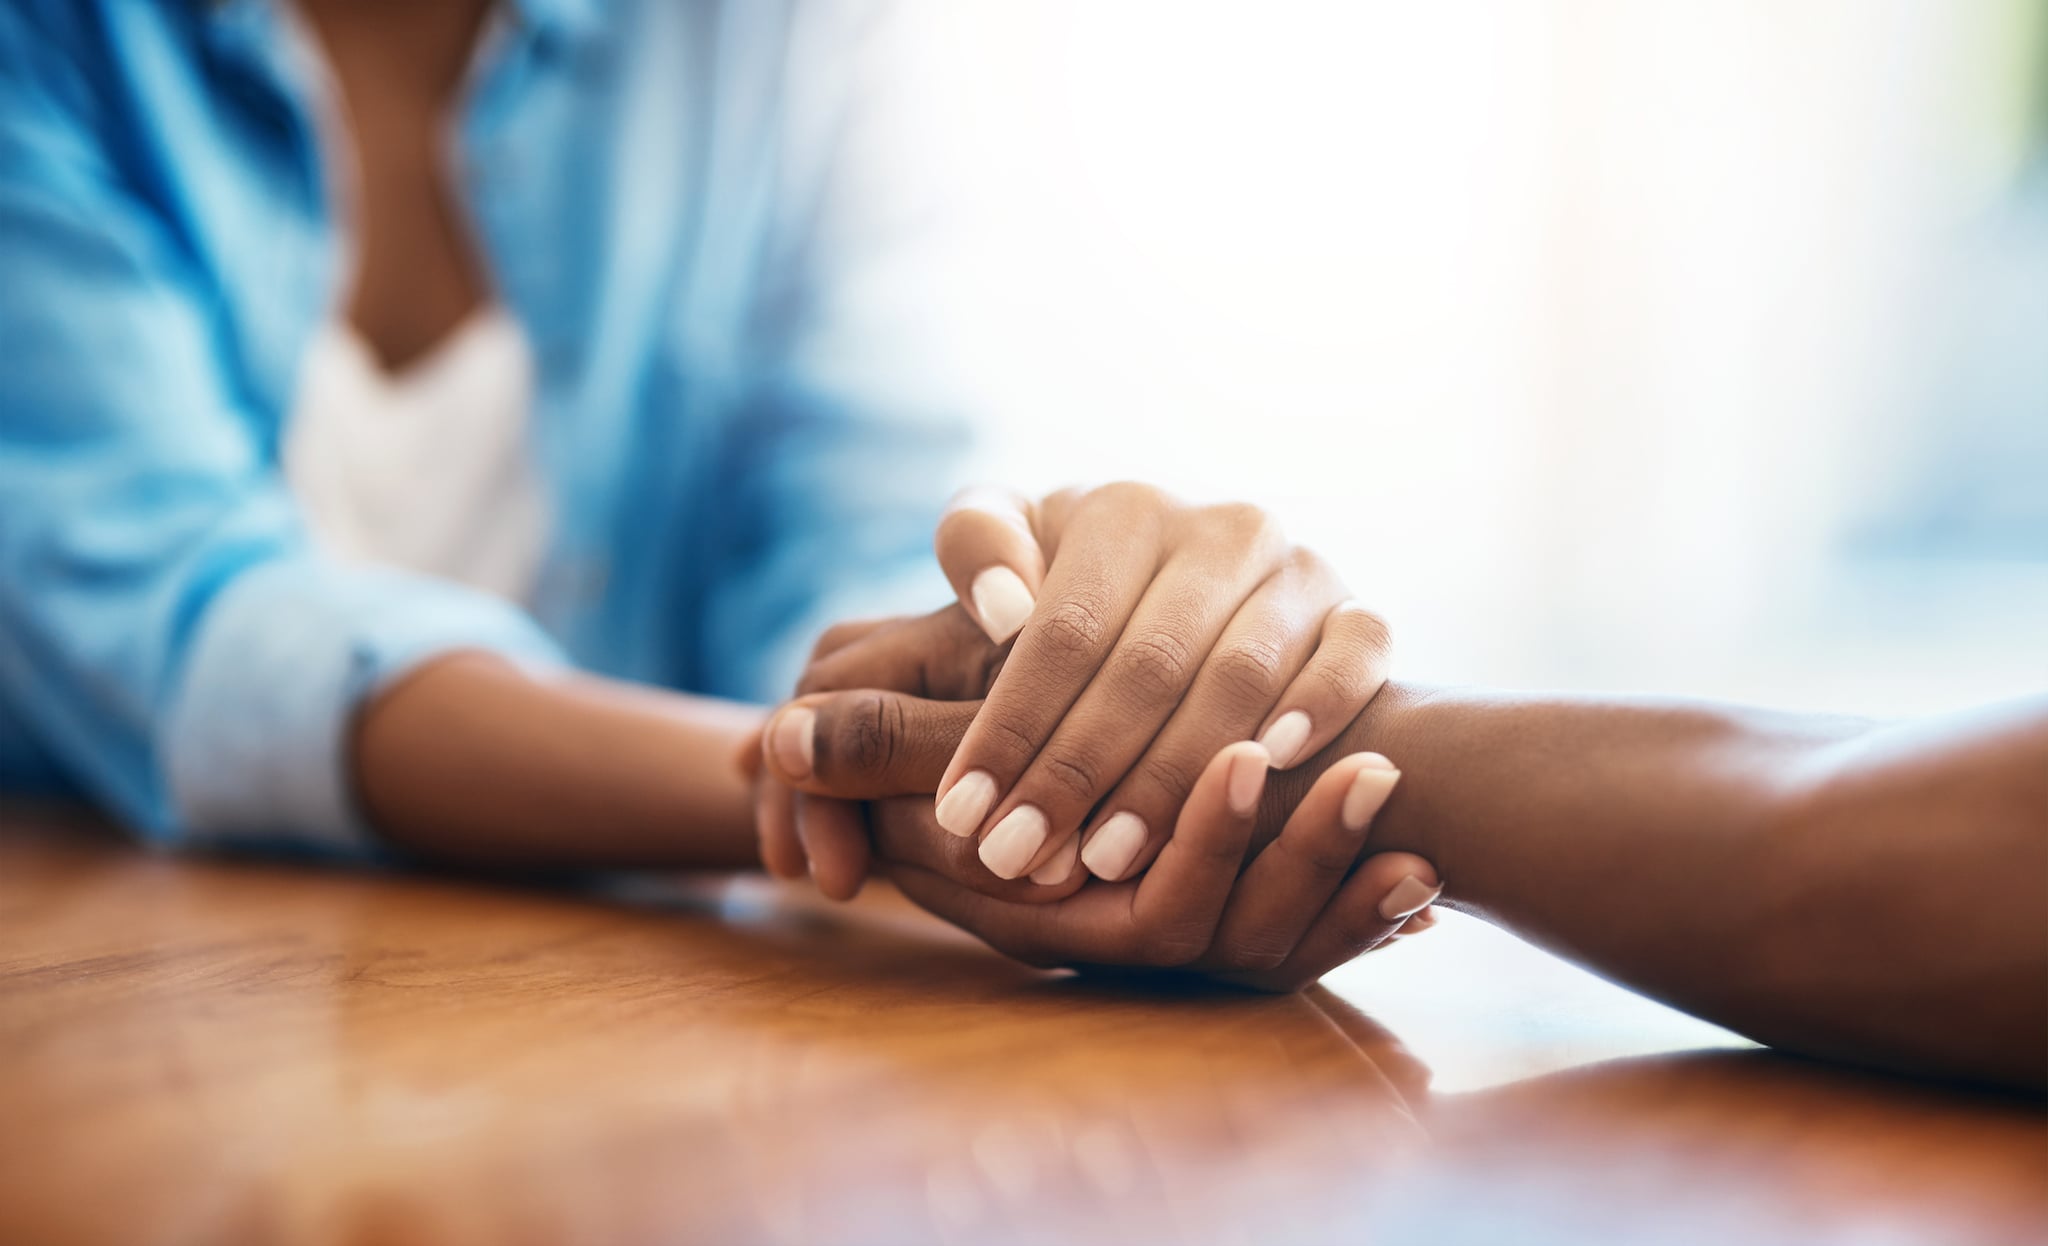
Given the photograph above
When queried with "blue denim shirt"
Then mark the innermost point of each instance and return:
(671, 200)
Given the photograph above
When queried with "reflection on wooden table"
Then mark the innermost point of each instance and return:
(204, 1051)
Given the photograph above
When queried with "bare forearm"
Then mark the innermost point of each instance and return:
(1873, 893)
(473, 761)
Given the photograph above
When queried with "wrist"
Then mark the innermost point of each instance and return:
(1387, 726)
(473, 760)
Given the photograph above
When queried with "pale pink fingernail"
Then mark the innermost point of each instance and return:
(1369, 790)
(1409, 896)
(794, 741)
(1014, 841)
(1246, 780)
(963, 807)
(1002, 602)
(1109, 852)
(1060, 866)
(1285, 737)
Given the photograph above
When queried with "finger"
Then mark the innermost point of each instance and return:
(1418, 923)
(941, 655)
(1293, 877)
(1266, 642)
(1105, 564)
(1050, 516)
(902, 831)
(782, 853)
(1368, 908)
(1163, 651)
(866, 743)
(835, 840)
(1165, 920)
(1177, 906)
(1348, 669)
(992, 558)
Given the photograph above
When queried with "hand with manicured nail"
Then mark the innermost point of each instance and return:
(1306, 830)
(1146, 634)
(880, 710)
(1162, 633)
(1303, 906)
(1627, 831)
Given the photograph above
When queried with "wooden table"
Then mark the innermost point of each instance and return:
(215, 1052)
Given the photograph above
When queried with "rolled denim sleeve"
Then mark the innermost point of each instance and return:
(169, 633)
(253, 744)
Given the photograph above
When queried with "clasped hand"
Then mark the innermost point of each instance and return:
(1122, 676)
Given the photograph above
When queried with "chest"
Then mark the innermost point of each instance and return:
(397, 74)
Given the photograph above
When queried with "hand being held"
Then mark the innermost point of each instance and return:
(880, 711)
(1152, 634)
(1310, 898)
(1303, 906)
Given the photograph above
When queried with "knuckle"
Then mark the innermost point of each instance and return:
(1362, 632)
(1154, 669)
(1249, 670)
(962, 515)
(1131, 494)
(1326, 863)
(1072, 631)
(1379, 643)
(1240, 526)
(869, 729)
(1212, 855)
(1352, 658)
(1073, 776)
(1242, 517)
(1055, 511)
(1349, 660)
(1062, 499)
(1170, 775)
(1338, 679)
(1304, 562)
(1133, 511)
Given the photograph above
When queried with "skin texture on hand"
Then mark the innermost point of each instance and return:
(1296, 911)
(914, 685)
(1269, 919)
(866, 727)
(1148, 634)
(1775, 873)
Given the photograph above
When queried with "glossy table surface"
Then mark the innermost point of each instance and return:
(212, 1051)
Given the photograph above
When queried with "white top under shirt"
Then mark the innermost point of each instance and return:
(429, 469)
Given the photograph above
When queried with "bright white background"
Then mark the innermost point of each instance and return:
(1588, 338)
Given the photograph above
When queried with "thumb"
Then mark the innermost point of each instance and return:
(991, 556)
(865, 744)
